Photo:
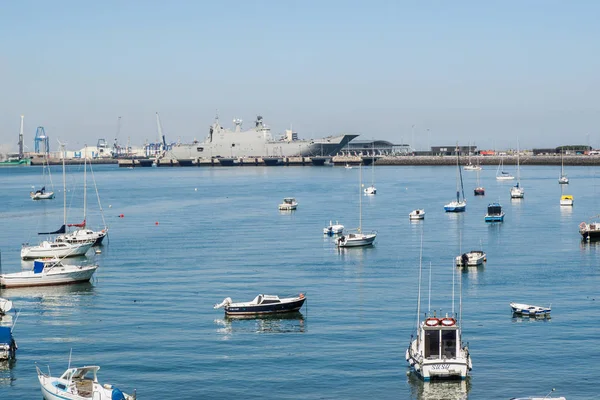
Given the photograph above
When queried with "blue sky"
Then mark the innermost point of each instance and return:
(469, 71)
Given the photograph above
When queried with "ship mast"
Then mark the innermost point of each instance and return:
(21, 138)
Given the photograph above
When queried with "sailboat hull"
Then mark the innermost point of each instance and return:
(356, 240)
(455, 206)
(42, 196)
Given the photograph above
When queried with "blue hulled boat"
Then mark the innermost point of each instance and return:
(494, 213)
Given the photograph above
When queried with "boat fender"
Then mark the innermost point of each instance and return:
(432, 322)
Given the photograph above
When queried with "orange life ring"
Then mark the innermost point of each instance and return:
(448, 321)
(432, 322)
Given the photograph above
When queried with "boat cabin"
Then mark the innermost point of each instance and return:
(494, 209)
(440, 338)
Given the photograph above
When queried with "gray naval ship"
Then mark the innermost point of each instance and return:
(255, 142)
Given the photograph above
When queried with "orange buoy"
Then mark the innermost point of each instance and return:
(156, 223)
(121, 215)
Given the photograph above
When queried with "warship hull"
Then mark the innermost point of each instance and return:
(255, 142)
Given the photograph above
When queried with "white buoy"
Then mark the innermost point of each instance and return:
(110, 206)
(98, 251)
(195, 189)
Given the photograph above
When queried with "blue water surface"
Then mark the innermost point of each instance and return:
(188, 237)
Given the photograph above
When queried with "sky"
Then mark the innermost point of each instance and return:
(427, 73)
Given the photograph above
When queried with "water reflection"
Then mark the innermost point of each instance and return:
(6, 372)
(283, 323)
(438, 390)
(354, 254)
(519, 318)
(566, 212)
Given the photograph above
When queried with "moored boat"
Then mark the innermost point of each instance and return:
(8, 346)
(458, 205)
(494, 213)
(546, 397)
(566, 200)
(530, 310)
(472, 258)
(41, 194)
(54, 249)
(438, 352)
(333, 229)
(79, 383)
(590, 230)
(416, 214)
(262, 304)
(48, 272)
(289, 204)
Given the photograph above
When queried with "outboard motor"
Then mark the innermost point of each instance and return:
(464, 260)
(225, 302)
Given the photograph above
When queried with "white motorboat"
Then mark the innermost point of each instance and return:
(333, 229)
(438, 352)
(546, 397)
(566, 200)
(356, 237)
(530, 310)
(79, 383)
(416, 214)
(502, 175)
(5, 306)
(55, 249)
(48, 272)
(370, 190)
(472, 258)
(289, 204)
(83, 234)
(41, 194)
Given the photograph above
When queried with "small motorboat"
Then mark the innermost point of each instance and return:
(479, 191)
(48, 271)
(494, 213)
(41, 194)
(262, 304)
(416, 215)
(546, 397)
(529, 310)
(79, 383)
(471, 259)
(333, 229)
(5, 306)
(566, 200)
(289, 203)
(8, 346)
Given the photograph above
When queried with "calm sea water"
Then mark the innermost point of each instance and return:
(192, 236)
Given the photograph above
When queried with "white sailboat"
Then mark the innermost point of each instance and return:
(437, 352)
(517, 191)
(470, 166)
(83, 234)
(54, 248)
(502, 175)
(42, 194)
(458, 205)
(563, 177)
(371, 190)
(357, 237)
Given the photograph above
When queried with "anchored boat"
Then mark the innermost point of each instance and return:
(529, 310)
(262, 304)
(494, 213)
(48, 272)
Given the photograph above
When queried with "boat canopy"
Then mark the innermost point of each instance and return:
(5, 335)
(38, 266)
(494, 209)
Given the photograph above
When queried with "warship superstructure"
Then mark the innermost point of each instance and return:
(255, 142)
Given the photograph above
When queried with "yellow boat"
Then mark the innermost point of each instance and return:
(566, 200)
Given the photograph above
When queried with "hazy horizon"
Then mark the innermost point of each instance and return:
(485, 73)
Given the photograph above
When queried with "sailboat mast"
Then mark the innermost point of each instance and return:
(62, 146)
(373, 169)
(85, 188)
(518, 163)
(360, 198)
(429, 301)
(453, 273)
(419, 295)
